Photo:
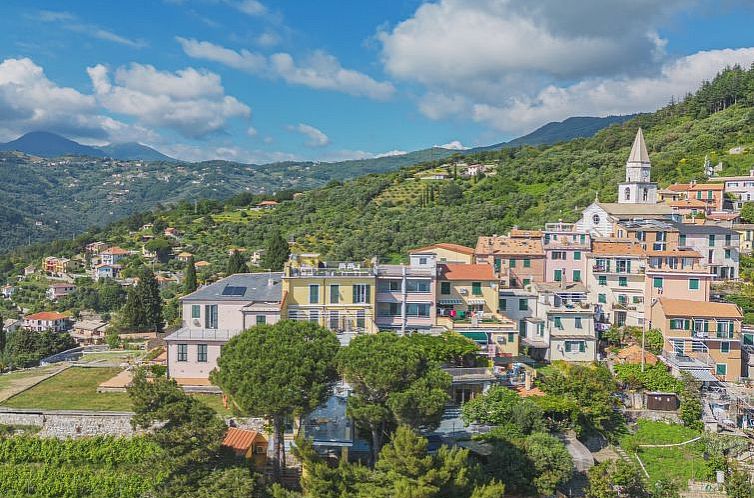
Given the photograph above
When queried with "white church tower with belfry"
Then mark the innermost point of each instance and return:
(638, 188)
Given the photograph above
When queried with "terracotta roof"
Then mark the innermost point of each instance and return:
(184, 254)
(466, 272)
(444, 245)
(268, 203)
(115, 250)
(61, 285)
(687, 203)
(680, 253)
(201, 263)
(46, 315)
(617, 248)
(617, 209)
(723, 216)
(525, 234)
(526, 393)
(683, 187)
(686, 307)
(239, 440)
(508, 246)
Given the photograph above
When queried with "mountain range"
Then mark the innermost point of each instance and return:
(40, 203)
(49, 145)
(46, 144)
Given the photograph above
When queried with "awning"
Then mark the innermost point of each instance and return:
(509, 360)
(476, 301)
(449, 301)
(480, 337)
(702, 375)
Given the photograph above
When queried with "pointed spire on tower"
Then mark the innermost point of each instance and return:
(639, 152)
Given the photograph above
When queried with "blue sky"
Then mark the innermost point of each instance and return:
(258, 81)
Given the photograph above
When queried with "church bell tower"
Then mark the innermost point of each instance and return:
(638, 187)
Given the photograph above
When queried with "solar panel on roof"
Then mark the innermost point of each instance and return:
(231, 290)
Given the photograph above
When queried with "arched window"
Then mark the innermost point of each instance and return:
(628, 194)
(645, 194)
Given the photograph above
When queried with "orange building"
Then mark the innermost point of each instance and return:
(518, 261)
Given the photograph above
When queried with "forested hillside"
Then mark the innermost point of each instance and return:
(385, 214)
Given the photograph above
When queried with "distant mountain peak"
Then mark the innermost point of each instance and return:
(47, 144)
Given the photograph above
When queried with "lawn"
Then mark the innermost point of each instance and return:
(14, 382)
(115, 356)
(680, 462)
(76, 389)
(73, 389)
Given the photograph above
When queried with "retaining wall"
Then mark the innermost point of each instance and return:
(69, 423)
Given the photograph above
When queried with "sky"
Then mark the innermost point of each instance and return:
(259, 81)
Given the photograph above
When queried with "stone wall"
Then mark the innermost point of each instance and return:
(65, 424)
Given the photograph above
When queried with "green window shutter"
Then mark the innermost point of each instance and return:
(335, 294)
(694, 283)
(582, 346)
(724, 347)
(731, 329)
(511, 336)
(558, 275)
(687, 325)
(602, 298)
(706, 325)
(527, 263)
(721, 369)
(476, 288)
(602, 280)
(682, 240)
(523, 305)
(502, 304)
(368, 293)
(577, 255)
(512, 263)
(526, 282)
(657, 283)
(622, 282)
(444, 287)
(196, 311)
(577, 275)
(628, 266)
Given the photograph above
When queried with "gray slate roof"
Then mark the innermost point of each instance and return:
(259, 287)
(693, 228)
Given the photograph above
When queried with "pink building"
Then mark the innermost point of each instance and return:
(58, 290)
(565, 252)
(213, 315)
(405, 294)
(677, 274)
(47, 320)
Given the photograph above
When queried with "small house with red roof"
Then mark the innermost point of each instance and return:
(248, 444)
(47, 320)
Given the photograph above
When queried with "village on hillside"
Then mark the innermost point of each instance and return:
(637, 286)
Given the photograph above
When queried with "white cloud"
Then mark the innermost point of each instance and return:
(516, 64)
(605, 96)
(453, 145)
(194, 153)
(250, 7)
(189, 101)
(317, 137)
(268, 39)
(72, 23)
(29, 101)
(320, 70)
(251, 131)
(244, 60)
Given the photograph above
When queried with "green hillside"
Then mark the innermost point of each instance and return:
(531, 185)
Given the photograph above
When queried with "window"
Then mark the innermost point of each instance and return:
(196, 311)
(476, 288)
(313, 294)
(727, 254)
(511, 337)
(622, 282)
(596, 219)
(622, 299)
(682, 240)
(527, 263)
(419, 286)
(512, 263)
(334, 294)
(727, 240)
(361, 293)
(390, 285)
(582, 238)
(693, 284)
(637, 299)
(182, 352)
(557, 322)
(602, 279)
(627, 194)
(577, 275)
(502, 304)
(261, 319)
(577, 322)
(721, 369)
(201, 353)
(210, 316)
(575, 346)
(314, 316)
(645, 194)
(361, 319)
(422, 261)
(657, 282)
(711, 240)
(602, 298)
(444, 287)
(526, 282)
(417, 309)
(558, 275)
(577, 255)
(522, 327)
(523, 305)
(724, 347)
(748, 339)
(676, 324)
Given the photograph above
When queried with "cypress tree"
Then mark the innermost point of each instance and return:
(276, 252)
(189, 281)
(149, 293)
(2, 336)
(236, 264)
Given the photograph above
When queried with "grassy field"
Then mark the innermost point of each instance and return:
(680, 462)
(115, 356)
(14, 382)
(76, 389)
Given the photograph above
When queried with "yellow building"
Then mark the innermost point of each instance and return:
(467, 303)
(339, 296)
